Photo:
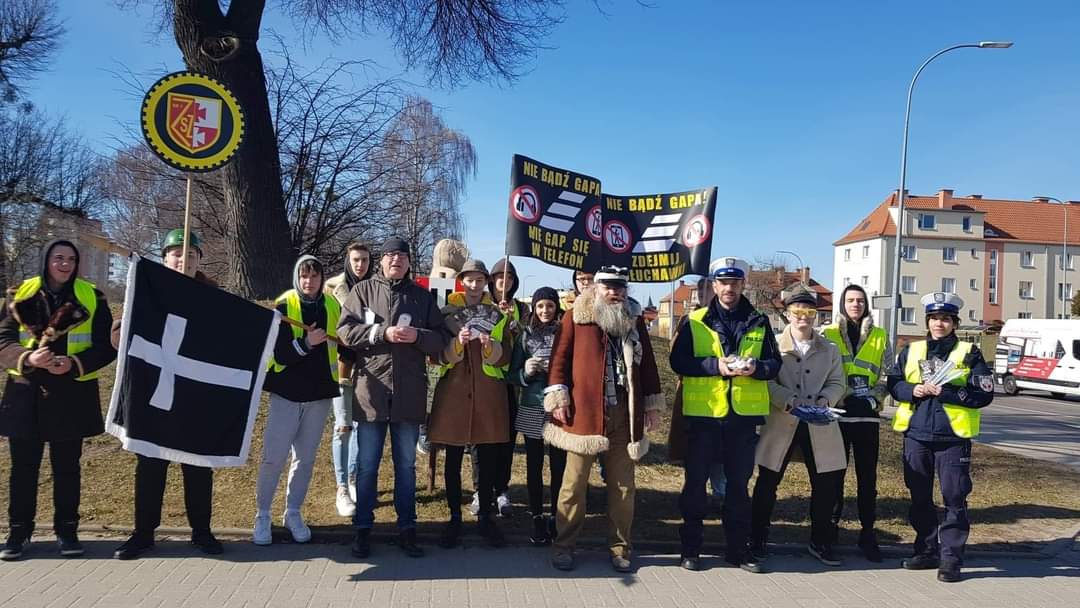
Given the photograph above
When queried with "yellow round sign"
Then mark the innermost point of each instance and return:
(192, 121)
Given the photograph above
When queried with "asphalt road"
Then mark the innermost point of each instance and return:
(1035, 425)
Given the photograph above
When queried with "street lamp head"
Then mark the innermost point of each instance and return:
(1045, 199)
(994, 45)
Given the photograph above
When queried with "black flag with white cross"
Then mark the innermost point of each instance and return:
(190, 369)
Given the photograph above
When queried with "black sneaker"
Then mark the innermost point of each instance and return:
(691, 563)
(407, 542)
(540, 536)
(134, 546)
(205, 541)
(949, 573)
(921, 561)
(17, 541)
(747, 562)
(69, 544)
(825, 554)
(869, 546)
(451, 534)
(489, 530)
(361, 545)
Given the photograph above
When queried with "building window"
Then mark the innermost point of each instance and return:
(907, 316)
(974, 253)
(847, 254)
(967, 223)
(1023, 315)
(907, 285)
(909, 253)
(1069, 262)
(1026, 291)
(973, 284)
(991, 283)
(865, 282)
(971, 314)
(927, 221)
(948, 285)
(865, 251)
(948, 254)
(1068, 291)
(847, 281)
(1027, 259)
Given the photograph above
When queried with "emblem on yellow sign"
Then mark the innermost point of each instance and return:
(192, 121)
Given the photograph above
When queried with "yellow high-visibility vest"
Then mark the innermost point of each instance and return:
(708, 395)
(964, 421)
(333, 313)
(868, 361)
(80, 337)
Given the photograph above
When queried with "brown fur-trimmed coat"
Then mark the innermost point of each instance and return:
(576, 380)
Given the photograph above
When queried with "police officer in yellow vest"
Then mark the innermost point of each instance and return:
(726, 354)
(938, 422)
(51, 393)
(866, 353)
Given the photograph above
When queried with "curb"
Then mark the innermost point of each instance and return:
(345, 536)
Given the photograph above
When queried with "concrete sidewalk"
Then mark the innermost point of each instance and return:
(315, 575)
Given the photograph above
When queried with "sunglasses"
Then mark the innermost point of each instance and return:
(803, 313)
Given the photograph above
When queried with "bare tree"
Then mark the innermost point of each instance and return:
(426, 166)
(454, 40)
(29, 36)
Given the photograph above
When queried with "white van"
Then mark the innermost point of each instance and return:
(1039, 354)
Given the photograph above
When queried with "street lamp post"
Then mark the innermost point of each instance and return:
(792, 253)
(1064, 250)
(894, 320)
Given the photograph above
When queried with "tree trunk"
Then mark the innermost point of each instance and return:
(224, 46)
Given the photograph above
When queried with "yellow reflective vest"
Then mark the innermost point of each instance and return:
(292, 310)
(867, 362)
(964, 421)
(713, 396)
(80, 336)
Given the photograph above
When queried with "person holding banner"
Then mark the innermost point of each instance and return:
(726, 355)
(343, 448)
(470, 402)
(603, 394)
(54, 337)
(529, 370)
(941, 385)
(393, 325)
(150, 473)
(302, 381)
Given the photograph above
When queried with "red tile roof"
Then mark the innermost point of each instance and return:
(1004, 220)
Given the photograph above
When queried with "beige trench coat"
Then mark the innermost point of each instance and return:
(803, 379)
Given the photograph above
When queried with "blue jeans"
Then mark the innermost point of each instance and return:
(370, 438)
(343, 448)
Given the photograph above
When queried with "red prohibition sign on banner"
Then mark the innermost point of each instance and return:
(525, 204)
(617, 236)
(594, 224)
(696, 231)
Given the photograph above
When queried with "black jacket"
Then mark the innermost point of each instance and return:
(39, 405)
(731, 327)
(306, 376)
(930, 422)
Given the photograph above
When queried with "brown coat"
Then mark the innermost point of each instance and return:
(470, 407)
(803, 379)
(576, 380)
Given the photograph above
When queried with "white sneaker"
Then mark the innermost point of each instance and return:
(502, 501)
(352, 488)
(345, 505)
(299, 530)
(474, 507)
(261, 534)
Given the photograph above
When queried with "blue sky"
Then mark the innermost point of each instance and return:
(793, 109)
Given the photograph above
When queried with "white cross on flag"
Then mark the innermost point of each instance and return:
(190, 368)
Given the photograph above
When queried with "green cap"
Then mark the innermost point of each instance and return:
(175, 238)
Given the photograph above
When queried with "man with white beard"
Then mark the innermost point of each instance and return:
(603, 394)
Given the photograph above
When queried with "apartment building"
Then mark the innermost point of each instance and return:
(1003, 257)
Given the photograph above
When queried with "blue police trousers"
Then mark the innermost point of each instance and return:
(951, 461)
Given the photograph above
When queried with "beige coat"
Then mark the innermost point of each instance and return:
(803, 379)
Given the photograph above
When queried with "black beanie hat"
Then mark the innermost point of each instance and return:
(394, 243)
(545, 293)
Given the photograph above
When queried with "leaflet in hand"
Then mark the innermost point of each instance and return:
(539, 341)
(478, 318)
(937, 372)
(816, 414)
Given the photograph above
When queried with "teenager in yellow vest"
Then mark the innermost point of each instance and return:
(51, 395)
(939, 423)
(866, 353)
(722, 407)
(302, 382)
